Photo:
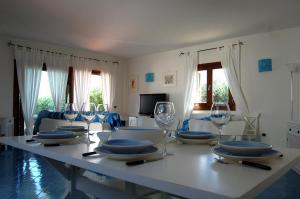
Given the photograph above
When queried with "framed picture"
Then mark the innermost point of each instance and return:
(133, 83)
(169, 79)
(149, 77)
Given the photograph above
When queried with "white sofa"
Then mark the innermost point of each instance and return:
(51, 124)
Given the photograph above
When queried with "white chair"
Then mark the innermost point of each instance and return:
(233, 128)
(202, 125)
(252, 125)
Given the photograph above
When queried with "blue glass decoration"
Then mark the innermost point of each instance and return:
(264, 65)
(149, 77)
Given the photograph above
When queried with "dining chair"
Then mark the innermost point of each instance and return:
(252, 125)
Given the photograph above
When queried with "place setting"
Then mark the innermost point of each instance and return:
(250, 153)
(54, 138)
(139, 145)
(196, 137)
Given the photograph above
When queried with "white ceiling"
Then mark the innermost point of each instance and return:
(130, 28)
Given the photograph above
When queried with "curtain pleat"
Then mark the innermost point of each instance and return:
(29, 71)
(57, 69)
(230, 59)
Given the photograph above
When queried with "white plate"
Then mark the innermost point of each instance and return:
(196, 141)
(54, 141)
(126, 157)
(246, 148)
(263, 157)
(122, 146)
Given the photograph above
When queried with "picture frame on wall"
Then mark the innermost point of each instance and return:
(133, 83)
(149, 77)
(169, 79)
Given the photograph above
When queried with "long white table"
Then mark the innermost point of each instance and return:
(191, 172)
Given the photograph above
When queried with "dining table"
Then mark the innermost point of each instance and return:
(192, 171)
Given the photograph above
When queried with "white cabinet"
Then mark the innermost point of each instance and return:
(142, 121)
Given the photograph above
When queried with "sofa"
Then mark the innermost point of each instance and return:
(48, 120)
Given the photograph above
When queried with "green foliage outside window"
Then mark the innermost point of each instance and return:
(96, 96)
(220, 92)
(45, 103)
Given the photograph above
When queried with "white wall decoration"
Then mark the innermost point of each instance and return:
(169, 79)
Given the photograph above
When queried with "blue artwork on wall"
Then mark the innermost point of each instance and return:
(265, 65)
(149, 77)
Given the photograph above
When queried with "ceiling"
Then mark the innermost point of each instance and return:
(130, 28)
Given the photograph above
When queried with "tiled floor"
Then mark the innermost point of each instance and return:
(24, 175)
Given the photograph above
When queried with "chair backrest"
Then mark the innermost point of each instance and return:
(252, 124)
(202, 125)
(235, 128)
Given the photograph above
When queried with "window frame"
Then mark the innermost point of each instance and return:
(209, 67)
(70, 83)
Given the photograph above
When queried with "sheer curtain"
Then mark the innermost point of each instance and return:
(230, 59)
(82, 80)
(190, 79)
(109, 79)
(57, 69)
(29, 71)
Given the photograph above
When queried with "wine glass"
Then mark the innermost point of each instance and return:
(88, 112)
(220, 115)
(102, 112)
(70, 112)
(164, 114)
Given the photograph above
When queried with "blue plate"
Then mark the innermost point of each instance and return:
(136, 129)
(263, 156)
(125, 146)
(245, 147)
(146, 151)
(56, 134)
(71, 128)
(195, 134)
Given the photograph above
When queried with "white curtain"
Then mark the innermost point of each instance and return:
(82, 80)
(190, 79)
(57, 69)
(29, 71)
(230, 59)
(109, 79)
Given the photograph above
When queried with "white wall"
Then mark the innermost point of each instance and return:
(267, 93)
(6, 70)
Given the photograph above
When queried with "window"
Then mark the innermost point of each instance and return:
(212, 87)
(44, 101)
(96, 88)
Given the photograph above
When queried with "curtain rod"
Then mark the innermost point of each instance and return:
(71, 55)
(214, 48)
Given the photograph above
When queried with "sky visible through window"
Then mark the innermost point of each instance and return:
(44, 87)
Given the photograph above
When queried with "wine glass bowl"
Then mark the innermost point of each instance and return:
(220, 115)
(164, 115)
(88, 113)
(102, 113)
(70, 112)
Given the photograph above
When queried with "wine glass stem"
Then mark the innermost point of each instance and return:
(71, 121)
(165, 143)
(220, 134)
(88, 124)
